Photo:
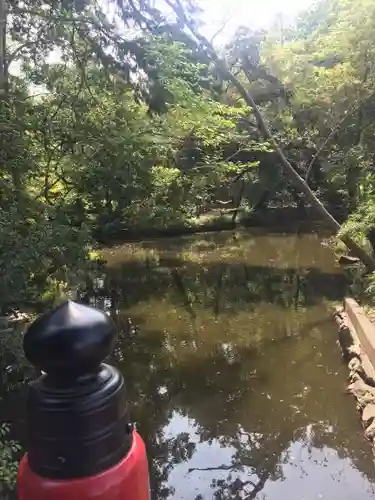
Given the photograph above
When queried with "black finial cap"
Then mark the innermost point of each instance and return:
(71, 340)
(78, 415)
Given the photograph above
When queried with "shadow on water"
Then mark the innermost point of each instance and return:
(229, 352)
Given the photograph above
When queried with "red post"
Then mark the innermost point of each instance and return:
(82, 445)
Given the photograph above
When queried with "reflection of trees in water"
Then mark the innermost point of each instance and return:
(202, 343)
(225, 272)
(237, 405)
(221, 286)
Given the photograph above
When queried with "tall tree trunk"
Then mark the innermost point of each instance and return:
(297, 181)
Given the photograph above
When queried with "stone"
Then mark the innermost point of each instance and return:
(370, 432)
(355, 350)
(355, 364)
(368, 414)
(339, 312)
(364, 393)
(352, 376)
(355, 386)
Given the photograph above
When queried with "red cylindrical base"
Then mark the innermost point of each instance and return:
(128, 480)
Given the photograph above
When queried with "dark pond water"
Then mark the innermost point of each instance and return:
(231, 360)
(229, 352)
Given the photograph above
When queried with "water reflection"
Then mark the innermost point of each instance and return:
(229, 353)
(303, 470)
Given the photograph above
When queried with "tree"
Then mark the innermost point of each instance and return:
(329, 67)
(59, 149)
(185, 19)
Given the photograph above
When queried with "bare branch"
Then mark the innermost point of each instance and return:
(81, 64)
(222, 27)
(220, 467)
(259, 486)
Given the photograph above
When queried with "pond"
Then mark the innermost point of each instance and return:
(229, 351)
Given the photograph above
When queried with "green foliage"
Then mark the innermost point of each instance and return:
(36, 250)
(361, 224)
(9, 449)
(115, 133)
(127, 132)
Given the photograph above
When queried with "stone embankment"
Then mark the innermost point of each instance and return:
(357, 341)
